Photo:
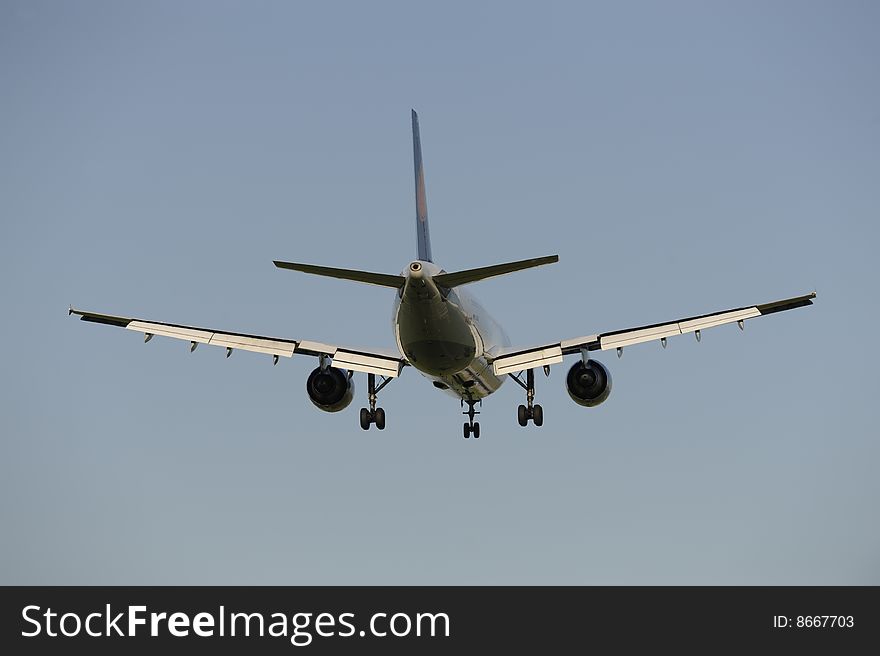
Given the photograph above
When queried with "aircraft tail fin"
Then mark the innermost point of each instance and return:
(457, 278)
(422, 233)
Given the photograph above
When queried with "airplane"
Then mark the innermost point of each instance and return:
(445, 334)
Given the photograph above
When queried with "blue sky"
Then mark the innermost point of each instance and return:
(680, 157)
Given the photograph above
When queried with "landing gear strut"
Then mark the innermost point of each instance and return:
(471, 427)
(531, 410)
(373, 415)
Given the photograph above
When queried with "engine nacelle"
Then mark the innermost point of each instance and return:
(590, 384)
(330, 389)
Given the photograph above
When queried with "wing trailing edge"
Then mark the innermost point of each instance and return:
(517, 359)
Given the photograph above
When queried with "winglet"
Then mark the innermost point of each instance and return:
(786, 304)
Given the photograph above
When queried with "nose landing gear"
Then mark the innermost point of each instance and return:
(471, 427)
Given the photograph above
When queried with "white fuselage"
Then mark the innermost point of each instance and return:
(446, 334)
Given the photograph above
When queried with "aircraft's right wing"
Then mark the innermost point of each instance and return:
(519, 359)
(369, 361)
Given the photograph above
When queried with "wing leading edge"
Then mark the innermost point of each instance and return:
(371, 361)
(518, 359)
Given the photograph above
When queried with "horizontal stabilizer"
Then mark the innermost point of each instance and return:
(383, 279)
(457, 278)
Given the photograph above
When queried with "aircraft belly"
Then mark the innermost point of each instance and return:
(475, 381)
(435, 338)
(443, 345)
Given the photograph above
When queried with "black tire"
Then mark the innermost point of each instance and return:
(467, 430)
(380, 418)
(538, 415)
(476, 430)
(522, 415)
(365, 419)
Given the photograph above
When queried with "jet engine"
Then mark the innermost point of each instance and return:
(588, 384)
(330, 389)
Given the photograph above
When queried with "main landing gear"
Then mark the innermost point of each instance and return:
(531, 410)
(373, 415)
(471, 427)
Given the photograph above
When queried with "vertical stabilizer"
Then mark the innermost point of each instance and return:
(422, 233)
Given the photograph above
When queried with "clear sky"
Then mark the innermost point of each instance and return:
(680, 157)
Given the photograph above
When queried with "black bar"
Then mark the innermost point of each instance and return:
(497, 619)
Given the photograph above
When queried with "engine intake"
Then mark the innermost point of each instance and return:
(588, 384)
(330, 389)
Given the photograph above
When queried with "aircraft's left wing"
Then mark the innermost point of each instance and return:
(374, 362)
(519, 359)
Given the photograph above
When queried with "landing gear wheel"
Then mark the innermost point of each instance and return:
(530, 410)
(538, 415)
(471, 427)
(522, 415)
(373, 415)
